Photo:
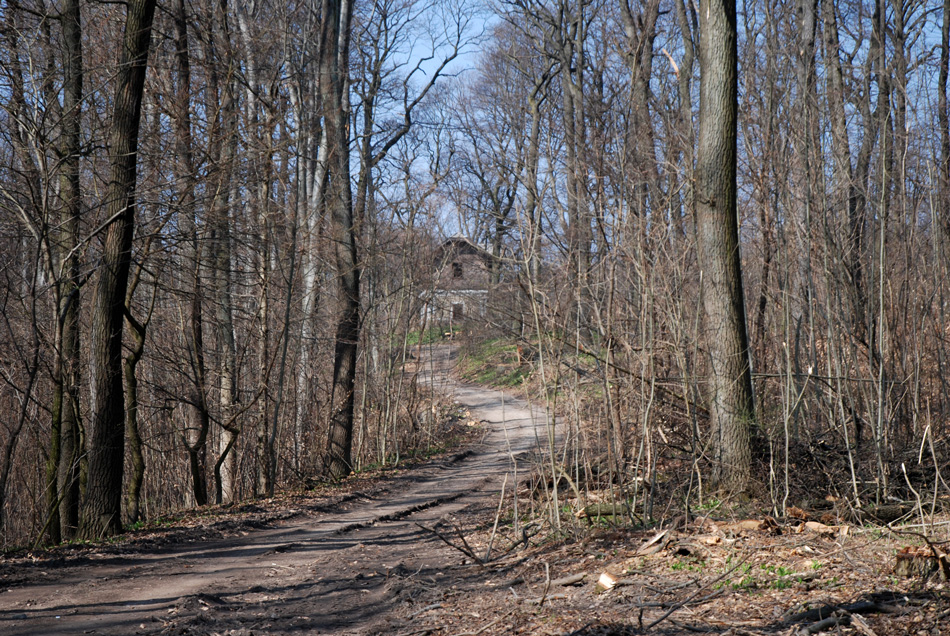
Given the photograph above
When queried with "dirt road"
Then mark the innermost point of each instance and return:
(339, 572)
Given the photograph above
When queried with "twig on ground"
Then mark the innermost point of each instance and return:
(699, 601)
(547, 583)
(464, 548)
(858, 622)
(426, 609)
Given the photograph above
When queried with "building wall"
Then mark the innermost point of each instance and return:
(463, 271)
(455, 306)
(461, 283)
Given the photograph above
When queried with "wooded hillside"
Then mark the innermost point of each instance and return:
(219, 227)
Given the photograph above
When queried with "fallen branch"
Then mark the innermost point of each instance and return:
(826, 611)
(573, 579)
(544, 599)
(839, 618)
(467, 550)
(694, 628)
(464, 548)
(426, 609)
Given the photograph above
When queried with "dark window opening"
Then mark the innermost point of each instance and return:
(456, 270)
(458, 311)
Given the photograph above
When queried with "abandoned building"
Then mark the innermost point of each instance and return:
(461, 281)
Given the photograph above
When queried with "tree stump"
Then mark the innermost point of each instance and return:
(922, 563)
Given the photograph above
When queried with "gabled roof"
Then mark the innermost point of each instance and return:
(459, 244)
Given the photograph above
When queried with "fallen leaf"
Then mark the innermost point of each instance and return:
(797, 513)
(820, 528)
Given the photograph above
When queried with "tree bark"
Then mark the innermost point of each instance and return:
(63, 463)
(731, 411)
(193, 327)
(222, 87)
(943, 118)
(333, 88)
(136, 445)
(101, 513)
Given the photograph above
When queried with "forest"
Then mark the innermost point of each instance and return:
(718, 234)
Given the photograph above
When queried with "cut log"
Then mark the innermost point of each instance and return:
(603, 510)
(886, 513)
(573, 579)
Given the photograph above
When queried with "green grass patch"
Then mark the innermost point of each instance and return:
(493, 362)
(431, 335)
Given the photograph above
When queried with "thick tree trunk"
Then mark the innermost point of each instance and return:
(69, 310)
(579, 233)
(333, 87)
(101, 513)
(310, 294)
(261, 168)
(731, 411)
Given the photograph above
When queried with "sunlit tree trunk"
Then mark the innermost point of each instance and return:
(732, 414)
(63, 462)
(101, 513)
(334, 56)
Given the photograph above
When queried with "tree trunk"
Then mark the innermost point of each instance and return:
(731, 410)
(136, 446)
(943, 119)
(193, 327)
(333, 88)
(62, 486)
(640, 30)
(101, 513)
(532, 208)
(225, 194)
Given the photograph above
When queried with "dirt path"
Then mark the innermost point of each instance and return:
(339, 572)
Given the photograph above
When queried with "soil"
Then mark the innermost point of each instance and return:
(430, 551)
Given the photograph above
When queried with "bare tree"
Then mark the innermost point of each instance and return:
(101, 512)
(334, 68)
(732, 413)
